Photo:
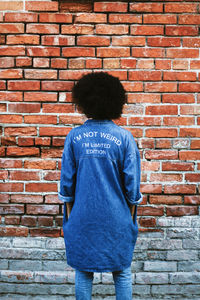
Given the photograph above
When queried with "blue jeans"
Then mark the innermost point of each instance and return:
(122, 280)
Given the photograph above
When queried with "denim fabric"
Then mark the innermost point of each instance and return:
(122, 280)
(100, 174)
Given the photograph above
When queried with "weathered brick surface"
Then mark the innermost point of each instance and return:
(153, 47)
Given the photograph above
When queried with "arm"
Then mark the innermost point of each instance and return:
(68, 177)
(131, 173)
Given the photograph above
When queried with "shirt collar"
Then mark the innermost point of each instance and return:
(94, 121)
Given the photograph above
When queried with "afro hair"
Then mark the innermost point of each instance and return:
(99, 96)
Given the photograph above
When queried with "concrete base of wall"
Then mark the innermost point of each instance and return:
(165, 266)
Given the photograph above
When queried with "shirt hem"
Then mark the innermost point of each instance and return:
(65, 198)
(100, 270)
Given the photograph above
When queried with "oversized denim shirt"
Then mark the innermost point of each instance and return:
(100, 173)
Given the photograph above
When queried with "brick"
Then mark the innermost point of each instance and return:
(128, 41)
(191, 43)
(146, 7)
(182, 53)
(72, 74)
(55, 18)
(182, 30)
(180, 64)
(40, 164)
(166, 177)
(192, 177)
(46, 232)
(163, 144)
(52, 131)
(8, 141)
(41, 6)
(4, 198)
(148, 52)
(147, 30)
(111, 29)
(163, 199)
(93, 41)
(23, 39)
(113, 52)
(190, 132)
(164, 42)
(150, 211)
(160, 266)
(180, 76)
(41, 51)
(20, 17)
(45, 221)
(51, 153)
(125, 18)
(147, 222)
(162, 110)
(170, 121)
(189, 155)
(189, 19)
(90, 18)
(25, 141)
(59, 63)
(11, 187)
(182, 211)
(192, 199)
(6, 62)
(178, 98)
(40, 97)
(58, 108)
(58, 40)
(57, 85)
(10, 163)
(23, 175)
(3, 174)
(12, 209)
(159, 19)
(164, 132)
(42, 28)
(189, 87)
(161, 154)
(21, 131)
(12, 50)
(145, 64)
(2, 87)
(41, 62)
(42, 209)
(52, 199)
(144, 98)
(26, 198)
(190, 110)
(180, 7)
(23, 85)
(11, 73)
(144, 121)
(12, 220)
(40, 74)
(78, 52)
(161, 87)
(11, 119)
(23, 151)
(11, 5)
(51, 175)
(128, 63)
(38, 119)
(145, 75)
(180, 189)
(195, 144)
(177, 166)
(77, 29)
(23, 61)
(111, 63)
(151, 188)
(43, 141)
(13, 231)
(151, 278)
(29, 221)
(110, 7)
(24, 107)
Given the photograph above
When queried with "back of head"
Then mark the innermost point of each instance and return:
(99, 96)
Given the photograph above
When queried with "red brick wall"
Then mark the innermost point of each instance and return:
(153, 47)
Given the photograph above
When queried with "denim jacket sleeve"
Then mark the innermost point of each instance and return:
(131, 173)
(68, 173)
